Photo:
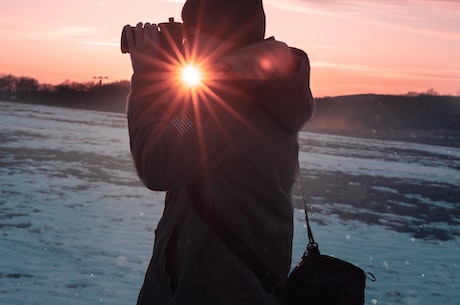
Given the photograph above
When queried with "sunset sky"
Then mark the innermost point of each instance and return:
(355, 46)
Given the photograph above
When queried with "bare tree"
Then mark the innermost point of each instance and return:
(7, 85)
(27, 85)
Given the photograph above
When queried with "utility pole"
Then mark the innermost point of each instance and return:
(100, 79)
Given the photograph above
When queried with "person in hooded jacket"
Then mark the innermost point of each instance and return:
(234, 139)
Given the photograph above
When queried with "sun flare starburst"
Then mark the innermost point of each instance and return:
(191, 75)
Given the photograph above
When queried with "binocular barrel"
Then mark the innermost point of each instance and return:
(170, 36)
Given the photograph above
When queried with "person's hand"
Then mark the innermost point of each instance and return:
(144, 46)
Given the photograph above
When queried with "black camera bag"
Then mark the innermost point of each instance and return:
(324, 280)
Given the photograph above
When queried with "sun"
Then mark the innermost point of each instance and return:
(191, 75)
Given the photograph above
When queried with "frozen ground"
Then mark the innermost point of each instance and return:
(76, 227)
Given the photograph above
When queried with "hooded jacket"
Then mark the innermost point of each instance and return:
(237, 140)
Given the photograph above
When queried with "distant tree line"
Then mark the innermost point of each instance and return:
(88, 95)
(387, 112)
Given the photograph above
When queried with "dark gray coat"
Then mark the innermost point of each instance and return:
(238, 138)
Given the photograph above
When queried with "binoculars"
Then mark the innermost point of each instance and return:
(170, 36)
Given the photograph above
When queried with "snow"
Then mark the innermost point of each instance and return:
(76, 226)
(382, 158)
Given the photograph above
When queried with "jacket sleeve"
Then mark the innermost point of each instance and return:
(288, 98)
(280, 77)
(172, 139)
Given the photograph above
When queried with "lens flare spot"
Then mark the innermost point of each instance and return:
(191, 75)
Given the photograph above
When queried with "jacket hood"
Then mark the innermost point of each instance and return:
(241, 22)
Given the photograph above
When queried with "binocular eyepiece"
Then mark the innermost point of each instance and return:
(170, 36)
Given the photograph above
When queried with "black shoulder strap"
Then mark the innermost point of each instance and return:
(312, 247)
(231, 239)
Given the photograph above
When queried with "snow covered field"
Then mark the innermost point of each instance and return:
(76, 227)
